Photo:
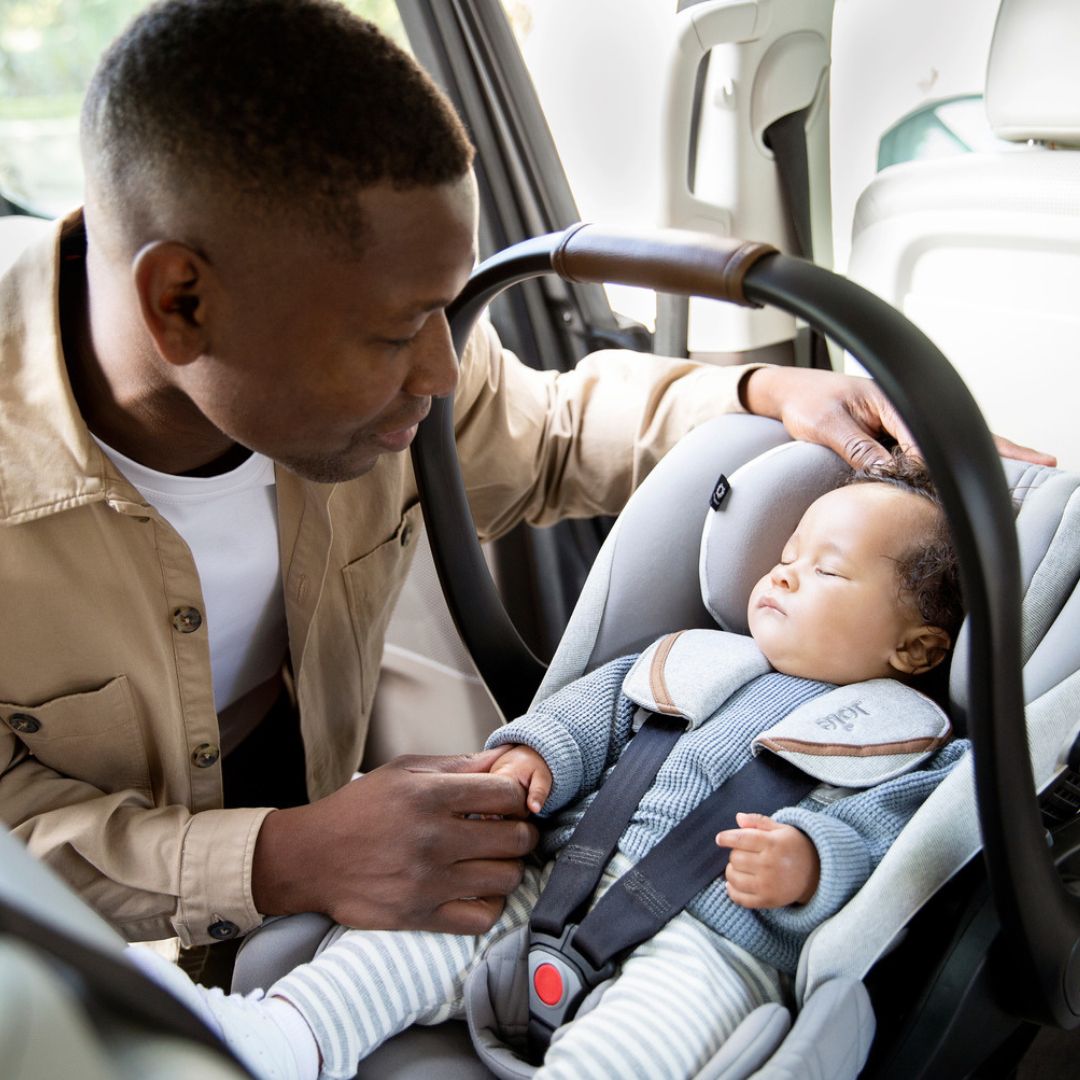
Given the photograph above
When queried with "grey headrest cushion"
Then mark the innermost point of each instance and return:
(1032, 91)
(743, 538)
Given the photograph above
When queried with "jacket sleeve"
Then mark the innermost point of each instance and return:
(151, 872)
(579, 731)
(852, 835)
(539, 446)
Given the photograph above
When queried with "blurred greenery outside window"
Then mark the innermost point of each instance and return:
(48, 50)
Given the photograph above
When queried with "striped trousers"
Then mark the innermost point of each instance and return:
(676, 999)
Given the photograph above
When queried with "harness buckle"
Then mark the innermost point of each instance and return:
(560, 978)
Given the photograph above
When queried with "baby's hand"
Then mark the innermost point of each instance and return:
(530, 770)
(771, 865)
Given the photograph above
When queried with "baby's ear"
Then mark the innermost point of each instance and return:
(922, 649)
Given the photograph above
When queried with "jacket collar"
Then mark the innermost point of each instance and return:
(48, 460)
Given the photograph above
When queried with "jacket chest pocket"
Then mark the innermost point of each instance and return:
(92, 736)
(372, 584)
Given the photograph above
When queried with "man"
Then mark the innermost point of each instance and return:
(209, 379)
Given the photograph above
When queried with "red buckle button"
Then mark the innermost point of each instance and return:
(547, 981)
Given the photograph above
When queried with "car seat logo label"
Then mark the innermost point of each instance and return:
(843, 718)
(719, 492)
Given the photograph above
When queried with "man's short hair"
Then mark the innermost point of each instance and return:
(928, 571)
(295, 104)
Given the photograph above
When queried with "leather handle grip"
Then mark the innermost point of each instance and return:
(668, 260)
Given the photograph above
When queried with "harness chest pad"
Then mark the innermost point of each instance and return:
(692, 673)
(850, 737)
(860, 735)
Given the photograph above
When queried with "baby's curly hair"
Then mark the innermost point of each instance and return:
(929, 572)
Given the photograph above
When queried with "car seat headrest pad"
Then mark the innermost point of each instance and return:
(746, 528)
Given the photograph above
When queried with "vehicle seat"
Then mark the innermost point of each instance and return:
(626, 604)
(982, 251)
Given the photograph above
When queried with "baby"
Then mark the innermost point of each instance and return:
(866, 589)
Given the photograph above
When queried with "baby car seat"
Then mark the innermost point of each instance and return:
(625, 605)
(936, 995)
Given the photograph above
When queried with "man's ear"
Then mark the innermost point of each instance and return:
(923, 648)
(173, 284)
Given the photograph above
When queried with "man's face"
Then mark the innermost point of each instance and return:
(831, 608)
(324, 363)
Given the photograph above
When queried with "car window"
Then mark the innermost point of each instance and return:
(599, 71)
(48, 50)
(957, 125)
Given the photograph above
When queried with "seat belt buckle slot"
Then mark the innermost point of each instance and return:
(560, 978)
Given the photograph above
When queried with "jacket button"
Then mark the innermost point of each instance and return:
(205, 754)
(186, 619)
(24, 723)
(406, 533)
(222, 930)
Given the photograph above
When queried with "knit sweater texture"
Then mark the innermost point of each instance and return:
(581, 730)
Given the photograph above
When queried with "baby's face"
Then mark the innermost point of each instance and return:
(831, 608)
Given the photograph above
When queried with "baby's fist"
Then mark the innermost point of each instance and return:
(771, 865)
(530, 770)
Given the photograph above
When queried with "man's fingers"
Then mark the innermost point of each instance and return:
(464, 839)
(474, 915)
(853, 443)
(479, 762)
(482, 877)
(1007, 448)
(473, 793)
(888, 419)
(856, 422)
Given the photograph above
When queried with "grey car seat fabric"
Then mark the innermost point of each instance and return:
(772, 480)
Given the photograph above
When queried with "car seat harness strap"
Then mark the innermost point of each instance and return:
(581, 862)
(568, 957)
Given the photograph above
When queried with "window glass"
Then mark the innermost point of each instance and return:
(48, 50)
(599, 69)
(956, 126)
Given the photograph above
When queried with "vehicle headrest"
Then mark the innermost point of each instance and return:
(746, 531)
(1032, 91)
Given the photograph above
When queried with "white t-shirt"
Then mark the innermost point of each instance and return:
(229, 523)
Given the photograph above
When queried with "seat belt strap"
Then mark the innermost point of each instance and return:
(566, 958)
(108, 980)
(786, 138)
(650, 894)
(581, 862)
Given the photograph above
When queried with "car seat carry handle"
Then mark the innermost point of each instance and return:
(669, 260)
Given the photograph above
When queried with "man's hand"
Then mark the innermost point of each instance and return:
(847, 413)
(398, 850)
(530, 770)
(771, 865)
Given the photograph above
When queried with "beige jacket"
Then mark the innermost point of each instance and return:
(109, 762)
